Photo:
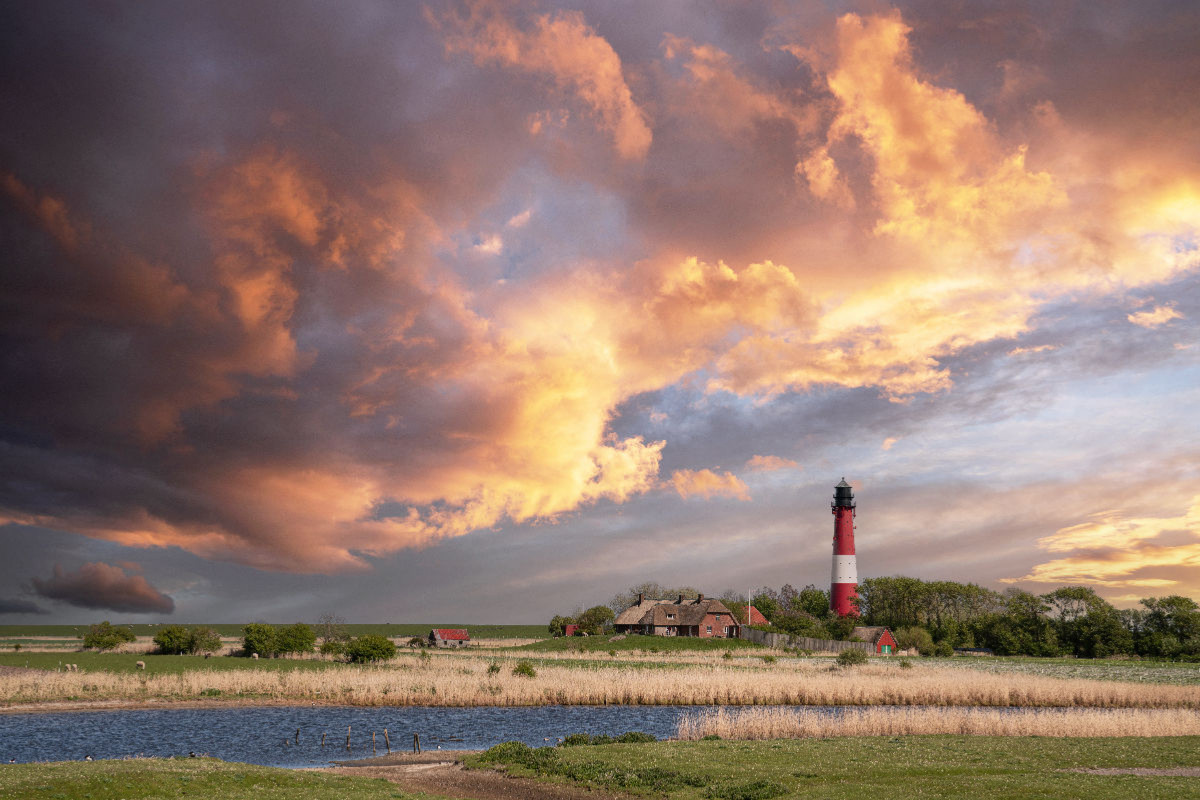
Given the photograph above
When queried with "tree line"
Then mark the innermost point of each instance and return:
(938, 617)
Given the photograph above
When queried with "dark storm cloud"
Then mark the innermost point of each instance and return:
(10, 605)
(103, 586)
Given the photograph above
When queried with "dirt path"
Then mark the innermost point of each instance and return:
(441, 772)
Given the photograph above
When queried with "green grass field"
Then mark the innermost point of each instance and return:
(142, 779)
(21, 632)
(925, 766)
(650, 644)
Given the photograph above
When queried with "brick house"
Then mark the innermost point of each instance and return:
(449, 637)
(878, 635)
(705, 618)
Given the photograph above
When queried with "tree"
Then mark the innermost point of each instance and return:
(106, 636)
(297, 638)
(260, 638)
(595, 620)
(558, 625)
(173, 640)
(914, 637)
(1170, 627)
(332, 628)
(370, 647)
(814, 601)
(204, 640)
(1087, 625)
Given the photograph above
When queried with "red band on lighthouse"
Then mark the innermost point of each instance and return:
(844, 583)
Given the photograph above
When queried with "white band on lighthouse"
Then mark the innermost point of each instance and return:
(844, 570)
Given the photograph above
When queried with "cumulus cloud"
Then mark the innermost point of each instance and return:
(707, 484)
(103, 586)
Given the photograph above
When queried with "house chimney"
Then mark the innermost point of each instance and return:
(641, 597)
(700, 599)
(680, 601)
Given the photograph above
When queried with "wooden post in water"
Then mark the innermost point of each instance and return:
(322, 740)
(416, 742)
(297, 736)
(372, 742)
(386, 741)
(347, 737)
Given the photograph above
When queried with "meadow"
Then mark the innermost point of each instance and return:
(190, 777)
(469, 678)
(999, 768)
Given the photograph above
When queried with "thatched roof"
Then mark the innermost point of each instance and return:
(868, 633)
(661, 613)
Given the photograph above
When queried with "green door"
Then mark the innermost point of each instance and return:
(887, 649)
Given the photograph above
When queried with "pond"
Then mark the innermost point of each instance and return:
(267, 735)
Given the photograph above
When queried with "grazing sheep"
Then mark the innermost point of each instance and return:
(141, 665)
(254, 655)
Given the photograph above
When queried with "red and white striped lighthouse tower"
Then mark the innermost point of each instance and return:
(844, 585)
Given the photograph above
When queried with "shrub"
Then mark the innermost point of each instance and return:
(417, 641)
(204, 640)
(173, 640)
(575, 740)
(298, 638)
(16, 647)
(370, 647)
(850, 658)
(905, 664)
(943, 649)
(333, 647)
(635, 737)
(727, 655)
(769, 659)
(543, 759)
(915, 637)
(258, 637)
(106, 636)
(525, 669)
(493, 668)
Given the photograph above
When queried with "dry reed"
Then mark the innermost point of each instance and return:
(786, 723)
(463, 680)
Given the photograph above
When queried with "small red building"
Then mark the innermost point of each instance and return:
(449, 637)
(571, 629)
(878, 635)
(757, 618)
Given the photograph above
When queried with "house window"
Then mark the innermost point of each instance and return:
(670, 616)
(710, 628)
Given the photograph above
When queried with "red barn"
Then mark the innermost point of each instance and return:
(449, 637)
(571, 630)
(878, 635)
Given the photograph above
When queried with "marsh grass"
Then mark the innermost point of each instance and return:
(466, 680)
(787, 723)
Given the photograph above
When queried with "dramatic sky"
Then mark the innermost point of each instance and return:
(484, 311)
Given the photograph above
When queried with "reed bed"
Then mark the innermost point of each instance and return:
(473, 681)
(786, 723)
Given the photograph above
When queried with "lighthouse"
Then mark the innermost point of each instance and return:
(844, 584)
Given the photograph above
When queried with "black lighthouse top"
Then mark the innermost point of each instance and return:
(843, 496)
